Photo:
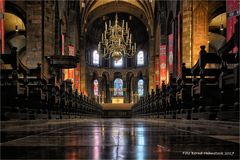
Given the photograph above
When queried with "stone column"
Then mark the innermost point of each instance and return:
(186, 7)
(151, 63)
(34, 34)
(200, 27)
(194, 29)
(103, 97)
(82, 67)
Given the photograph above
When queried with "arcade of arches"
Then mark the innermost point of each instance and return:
(186, 64)
(173, 30)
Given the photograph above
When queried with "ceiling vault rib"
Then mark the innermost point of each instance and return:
(143, 6)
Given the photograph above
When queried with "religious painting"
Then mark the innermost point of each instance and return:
(162, 63)
(170, 53)
(118, 87)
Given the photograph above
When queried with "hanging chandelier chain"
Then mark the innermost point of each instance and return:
(116, 40)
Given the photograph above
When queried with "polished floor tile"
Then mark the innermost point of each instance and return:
(119, 139)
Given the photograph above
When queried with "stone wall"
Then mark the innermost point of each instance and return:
(194, 29)
(34, 33)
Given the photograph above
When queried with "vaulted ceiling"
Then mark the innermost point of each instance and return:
(141, 9)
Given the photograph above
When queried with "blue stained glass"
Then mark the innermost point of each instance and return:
(118, 87)
(140, 87)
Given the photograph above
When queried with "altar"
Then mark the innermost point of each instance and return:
(117, 100)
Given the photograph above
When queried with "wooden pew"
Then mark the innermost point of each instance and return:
(14, 89)
(163, 101)
(171, 98)
(54, 98)
(38, 94)
(183, 94)
(205, 90)
(229, 78)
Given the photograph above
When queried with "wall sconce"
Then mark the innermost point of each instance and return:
(221, 27)
(16, 28)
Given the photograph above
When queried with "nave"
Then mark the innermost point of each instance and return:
(119, 139)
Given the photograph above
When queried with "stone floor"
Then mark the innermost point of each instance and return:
(119, 139)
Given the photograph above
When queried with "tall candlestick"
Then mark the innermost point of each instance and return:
(130, 39)
(105, 25)
(122, 24)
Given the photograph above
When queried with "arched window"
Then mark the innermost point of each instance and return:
(118, 63)
(140, 87)
(95, 57)
(95, 87)
(118, 87)
(140, 58)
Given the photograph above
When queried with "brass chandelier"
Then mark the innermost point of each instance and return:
(116, 41)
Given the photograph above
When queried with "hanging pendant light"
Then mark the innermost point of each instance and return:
(116, 40)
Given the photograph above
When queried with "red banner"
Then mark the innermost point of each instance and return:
(77, 78)
(162, 62)
(170, 53)
(179, 44)
(232, 9)
(2, 25)
(157, 71)
(62, 50)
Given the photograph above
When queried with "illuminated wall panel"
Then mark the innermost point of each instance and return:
(162, 62)
(170, 53)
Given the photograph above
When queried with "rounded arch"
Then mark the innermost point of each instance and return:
(118, 75)
(105, 86)
(215, 8)
(13, 8)
(94, 75)
(216, 25)
(15, 29)
(139, 74)
(106, 75)
(92, 12)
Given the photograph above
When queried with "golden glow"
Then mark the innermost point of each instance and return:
(219, 20)
(116, 40)
(104, 2)
(11, 22)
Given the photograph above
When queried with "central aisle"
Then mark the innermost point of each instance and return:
(118, 139)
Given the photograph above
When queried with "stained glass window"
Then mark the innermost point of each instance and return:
(140, 58)
(140, 87)
(95, 87)
(118, 87)
(118, 63)
(95, 58)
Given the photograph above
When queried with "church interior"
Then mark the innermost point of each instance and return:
(119, 79)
